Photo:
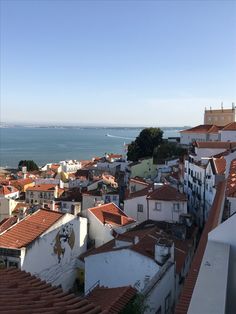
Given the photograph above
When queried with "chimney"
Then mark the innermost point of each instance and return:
(52, 205)
(157, 185)
(222, 108)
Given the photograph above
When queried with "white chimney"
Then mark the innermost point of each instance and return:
(157, 185)
(52, 205)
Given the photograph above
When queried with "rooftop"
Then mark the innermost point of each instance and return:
(113, 300)
(230, 127)
(203, 128)
(23, 293)
(28, 229)
(7, 189)
(231, 180)
(216, 144)
(111, 214)
(7, 223)
(167, 193)
(43, 187)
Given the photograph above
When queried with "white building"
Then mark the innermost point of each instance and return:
(143, 258)
(200, 133)
(70, 165)
(228, 133)
(42, 194)
(161, 203)
(106, 219)
(46, 244)
(7, 206)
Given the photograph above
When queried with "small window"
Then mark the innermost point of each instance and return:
(167, 303)
(114, 198)
(140, 208)
(13, 264)
(133, 188)
(176, 207)
(157, 206)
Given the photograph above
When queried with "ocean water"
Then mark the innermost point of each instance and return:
(45, 145)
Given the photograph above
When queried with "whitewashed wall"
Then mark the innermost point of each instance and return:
(166, 213)
(45, 257)
(119, 268)
(131, 206)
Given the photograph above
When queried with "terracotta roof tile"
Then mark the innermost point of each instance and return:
(231, 180)
(203, 128)
(29, 228)
(42, 187)
(113, 300)
(111, 214)
(7, 189)
(167, 193)
(7, 223)
(220, 165)
(230, 127)
(21, 293)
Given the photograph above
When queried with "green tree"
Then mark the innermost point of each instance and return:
(167, 150)
(145, 143)
(29, 164)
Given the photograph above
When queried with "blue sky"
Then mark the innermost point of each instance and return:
(116, 62)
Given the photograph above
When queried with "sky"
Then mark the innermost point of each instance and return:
(149, 63)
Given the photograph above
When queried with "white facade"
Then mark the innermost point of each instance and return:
(227, 136)
(71, 207)
(166, 210)
(136, 208)
(6, 207)
(189, 138)
(53, 256)
(119, 268)
(70, 166)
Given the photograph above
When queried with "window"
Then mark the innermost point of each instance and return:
(114, 198)
(64, 205)
(176, 207)
(168, 303)
(140, 208)
(13, 264)
(157, 206)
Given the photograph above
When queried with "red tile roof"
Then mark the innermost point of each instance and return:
(7, 223)
(20, 183)
(6, 190)
(113, 300)
(230, 127)
(42, 187)
(231, 180)
(111, 214)
(220, 165)
(203, 128)
(216, 144)
(212, 222)
(29, 229)
(22, 293)
(167, 193)
(143, 192)
(148, 237)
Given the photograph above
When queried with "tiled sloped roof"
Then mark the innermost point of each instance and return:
(111, 214)
(212, 222)
(29, 228)
(202, 128)
(7, 223)
(216, 144)
(220, 165)
(42, 187)
(20, 183)
(143, 192)
(6, 190)
(231, 180)
(22, 293)
(230, 127)
(148, 236)
(113, 300)
(167, 193)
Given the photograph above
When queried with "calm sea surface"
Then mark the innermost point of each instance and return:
(54, 144)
